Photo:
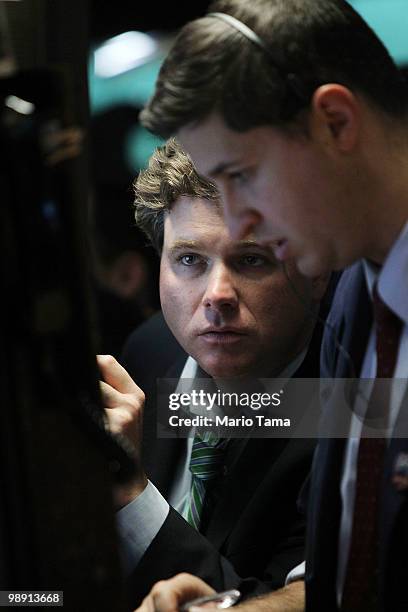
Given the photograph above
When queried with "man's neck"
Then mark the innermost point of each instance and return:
(388, 200)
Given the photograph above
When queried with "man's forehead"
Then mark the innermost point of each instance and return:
(215, 147)
(196, 220)
(188, 209)
(211, 144)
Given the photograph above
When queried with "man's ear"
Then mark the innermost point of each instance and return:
(319, 286)
(335, 117)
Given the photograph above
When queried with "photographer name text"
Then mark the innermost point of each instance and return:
(257, 420)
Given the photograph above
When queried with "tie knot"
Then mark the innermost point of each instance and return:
(207, 456)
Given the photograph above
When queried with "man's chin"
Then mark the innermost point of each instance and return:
(311, 266)
(219, 370)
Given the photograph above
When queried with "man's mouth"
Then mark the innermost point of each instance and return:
(222, 335)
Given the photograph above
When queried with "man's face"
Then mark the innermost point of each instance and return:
(288, 190)
(229, 303)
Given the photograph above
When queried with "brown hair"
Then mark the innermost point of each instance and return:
(170, 175)
(214, 67)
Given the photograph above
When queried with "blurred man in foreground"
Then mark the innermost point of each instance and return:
(299, 114)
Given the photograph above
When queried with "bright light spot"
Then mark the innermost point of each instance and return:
(123, 52)
(20, 106)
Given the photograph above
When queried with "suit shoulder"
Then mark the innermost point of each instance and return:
(151, 346)
(344, 309)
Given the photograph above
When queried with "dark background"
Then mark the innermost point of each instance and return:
(110, 18)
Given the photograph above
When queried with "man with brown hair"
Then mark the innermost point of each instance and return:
(233, 311)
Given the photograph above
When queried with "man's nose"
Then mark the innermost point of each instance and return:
(220, 291)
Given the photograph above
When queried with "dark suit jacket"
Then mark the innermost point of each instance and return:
(255, 531)
(350, 320)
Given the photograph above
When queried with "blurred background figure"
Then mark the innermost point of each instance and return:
(125, 269)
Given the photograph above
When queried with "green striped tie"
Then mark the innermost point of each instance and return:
(205, 464)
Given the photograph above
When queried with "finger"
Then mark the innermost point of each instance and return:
(110, 397)
(146, 605)
(123, 422)
(128, 402)
(116, 376)
(124, 414)
(169, 595)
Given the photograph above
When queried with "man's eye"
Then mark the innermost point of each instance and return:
(239, 176)
(189, 260)
(254, 261)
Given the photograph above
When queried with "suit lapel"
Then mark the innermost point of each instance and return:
(356, 327)
(247, 455)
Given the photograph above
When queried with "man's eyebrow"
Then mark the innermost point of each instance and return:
(252, 244)
(184, 244)
(222, 167)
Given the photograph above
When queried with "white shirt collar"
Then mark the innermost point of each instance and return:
(191, 367)
(392, 277)
(189, 375)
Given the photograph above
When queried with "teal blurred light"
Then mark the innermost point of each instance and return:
(132, 87)
(389, 19)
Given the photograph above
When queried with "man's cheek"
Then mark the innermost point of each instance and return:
(172, 310)
(170, 296)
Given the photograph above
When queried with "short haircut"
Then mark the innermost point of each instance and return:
(213, 67)
(169, 176)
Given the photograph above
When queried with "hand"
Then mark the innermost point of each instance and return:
(123, 401)
(169, 595)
